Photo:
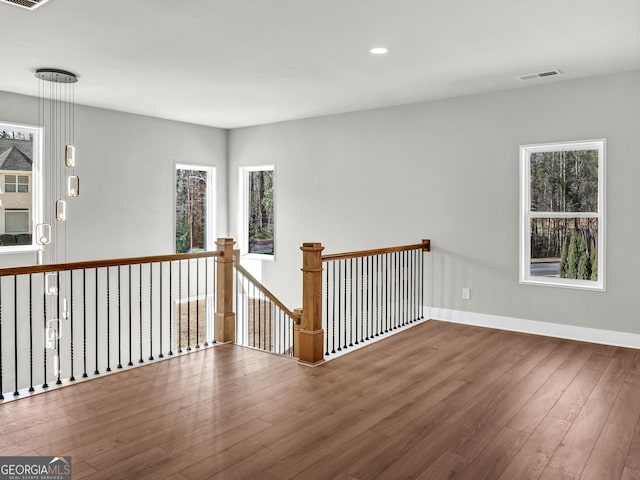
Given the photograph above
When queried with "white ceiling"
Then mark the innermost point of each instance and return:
(232, 63)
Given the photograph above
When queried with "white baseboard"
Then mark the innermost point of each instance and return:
(547, 329)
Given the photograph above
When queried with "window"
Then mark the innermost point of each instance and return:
(562, 214)
(16, 184)
(16, 221)
(21, 194)
(257, 190)
(194, 207)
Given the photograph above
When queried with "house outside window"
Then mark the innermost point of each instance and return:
(16, 221)
(562, 220)
(20, 187)
(16, 184)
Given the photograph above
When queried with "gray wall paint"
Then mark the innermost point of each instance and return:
(126, 167)
(449, 171)
(444, 170)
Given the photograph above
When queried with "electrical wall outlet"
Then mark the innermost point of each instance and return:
(466, 294)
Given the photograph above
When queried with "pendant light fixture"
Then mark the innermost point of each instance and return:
(56, 115)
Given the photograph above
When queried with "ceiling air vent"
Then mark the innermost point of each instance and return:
(30, 4)
(531, 76)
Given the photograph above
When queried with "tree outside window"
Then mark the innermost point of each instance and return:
(562, 221)
(192, 209)
(258, 221)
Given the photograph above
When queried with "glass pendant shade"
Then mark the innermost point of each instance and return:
(43, 234)
(73, 186)
(56, 365)
(61, 210)
(51, 284)
(70, 156)
(53, 332)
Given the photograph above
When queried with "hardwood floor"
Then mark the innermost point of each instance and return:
(438, 401)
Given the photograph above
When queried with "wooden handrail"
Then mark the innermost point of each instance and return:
(61, 267)
(262, 288)
(425, 246)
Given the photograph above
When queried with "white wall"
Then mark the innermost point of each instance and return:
(126, 167)
(448, 171)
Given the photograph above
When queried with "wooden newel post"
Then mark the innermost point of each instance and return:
(296, 332)
(225, 316)
(311, 336)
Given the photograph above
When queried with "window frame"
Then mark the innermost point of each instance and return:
(35, 188)
(210, 201)
(526, 215)
(244, 212)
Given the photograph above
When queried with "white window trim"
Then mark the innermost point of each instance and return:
(210, 201)
(526, 215)
(16, 183)
(37, 185)
(244, 213)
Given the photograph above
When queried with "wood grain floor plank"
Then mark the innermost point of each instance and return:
(533, 352)
(600, 357)
(448, 466)
(403, 456)
(132, 467)
(302, 457)
(633, 457)
(608, 457)
(261, 459)
(626, 409)
(495, 457)
(612, 378)
(533, 412)
(574, 451)
(230, 455)
(81, 470)
(439, 406)
(570, 403)
(487, 421)
(550, 473)
(345, 476)
(630, 474)
(340, 459)
(533, 457)
(532, 381)
(193, 452)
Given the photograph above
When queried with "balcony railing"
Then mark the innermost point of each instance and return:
(65, 322)
(60, 323)
(371, 293)
(365, 294)
(262, 321)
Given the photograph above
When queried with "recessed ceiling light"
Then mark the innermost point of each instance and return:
(379, 50)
